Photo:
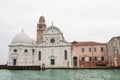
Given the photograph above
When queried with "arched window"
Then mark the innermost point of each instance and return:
(39, 55)
(75, 61)
(65, 54)
(33, 50)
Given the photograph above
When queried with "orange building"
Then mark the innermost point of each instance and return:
(86, 54)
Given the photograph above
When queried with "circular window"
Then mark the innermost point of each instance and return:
(52, 40)
(15, 50)
(25, 50)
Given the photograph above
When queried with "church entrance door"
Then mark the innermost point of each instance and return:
(52, 61)
(14, 61)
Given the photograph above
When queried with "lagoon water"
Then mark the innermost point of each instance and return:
(57, 74)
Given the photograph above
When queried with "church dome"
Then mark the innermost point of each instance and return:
(22, 38)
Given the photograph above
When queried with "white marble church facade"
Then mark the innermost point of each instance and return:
(49, 49)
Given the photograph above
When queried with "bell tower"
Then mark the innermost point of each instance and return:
(41, 27)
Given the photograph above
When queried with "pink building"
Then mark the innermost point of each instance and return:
(89, 54)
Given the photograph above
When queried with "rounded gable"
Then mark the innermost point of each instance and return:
(53, 30)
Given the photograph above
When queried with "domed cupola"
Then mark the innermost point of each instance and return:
(22, 38)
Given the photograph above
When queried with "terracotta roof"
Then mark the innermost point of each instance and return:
(88, 43)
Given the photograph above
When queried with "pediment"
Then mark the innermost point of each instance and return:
(52, 57)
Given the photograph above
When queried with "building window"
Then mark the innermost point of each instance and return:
(33, 50)
(95, 50)
(90, 58)
(14, 62)
(114, 48)
(82, 49)
(102, 58)
(65, 54)
(95, 58)
(25, 50)
(15, 50)
(52, 61)
(83, 58)
(90, 50)
(39, 55)
(102, 49)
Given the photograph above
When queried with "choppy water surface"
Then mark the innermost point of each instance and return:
(60, 74)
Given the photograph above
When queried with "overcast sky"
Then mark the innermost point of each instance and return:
(79, 20)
